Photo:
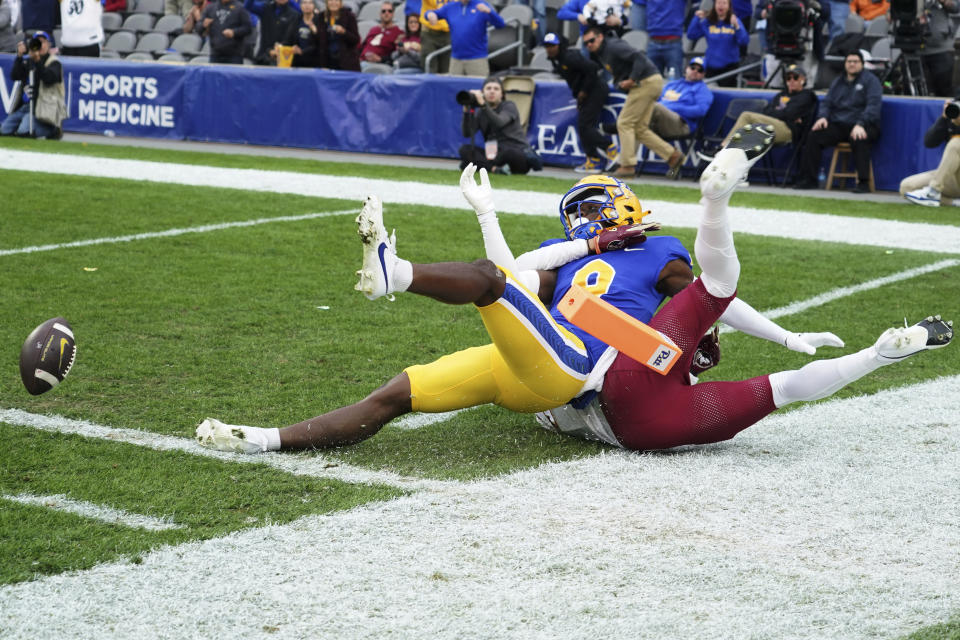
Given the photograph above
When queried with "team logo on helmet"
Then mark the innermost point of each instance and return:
(597, 203)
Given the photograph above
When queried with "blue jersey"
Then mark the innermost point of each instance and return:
(627, 279)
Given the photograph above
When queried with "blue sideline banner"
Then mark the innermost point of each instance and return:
(389, 114)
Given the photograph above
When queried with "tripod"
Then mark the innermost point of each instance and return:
(906, 75)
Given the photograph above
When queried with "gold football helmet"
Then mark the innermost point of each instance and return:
(597, 203)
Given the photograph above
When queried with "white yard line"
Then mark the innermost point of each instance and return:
(95, 511)
(420, 420)
(314, 465)
(842, 292)
(169, 233)
(814, 523)
(768, 222)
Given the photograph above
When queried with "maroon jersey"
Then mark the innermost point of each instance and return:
(647, 410)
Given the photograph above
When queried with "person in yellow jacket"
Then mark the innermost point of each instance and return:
(434, 36)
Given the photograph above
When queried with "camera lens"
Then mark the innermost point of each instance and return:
(467, 99)
(952, 111)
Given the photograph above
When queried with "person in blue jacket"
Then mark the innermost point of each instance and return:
(683, 102)
(725, 35)
(468, 20)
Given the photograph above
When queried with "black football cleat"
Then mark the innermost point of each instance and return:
(731, 165)
(929, 333)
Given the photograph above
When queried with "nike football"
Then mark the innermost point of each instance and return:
(47, 355)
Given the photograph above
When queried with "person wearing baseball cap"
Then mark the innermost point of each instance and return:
(42, 107)
(581, 75)
(789, 112)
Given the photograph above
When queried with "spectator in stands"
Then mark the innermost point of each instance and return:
(937, 52)
(468, 20)
(433, 37)
(665, 26)
(40, 15)
(612, 14)
(175, 7)
(381, 41)
(408, 52)
(226, 23)
(725, 35)
(870, 9)
(850, 112)
(638, 15)
(81, 32)
(634, 74)
(498, 120)
(8, 35)
(412, 8)
(278, 26)
(194, 16)
(340, 40)
(942, 184)
(837, 16)
(590, 92)
(787, 111)
(42, 108)
(306, 48)
(583, 11)
(682, 104)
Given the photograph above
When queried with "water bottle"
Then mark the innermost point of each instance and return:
(671, 73)
(822, 178)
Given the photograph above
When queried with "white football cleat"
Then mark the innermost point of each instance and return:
(379, 251)
(900, 343)
(213, 434)
(731, 165)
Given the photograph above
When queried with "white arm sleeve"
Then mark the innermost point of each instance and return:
(742, 317)
(553, 256)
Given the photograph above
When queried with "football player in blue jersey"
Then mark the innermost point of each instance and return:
(538, 361)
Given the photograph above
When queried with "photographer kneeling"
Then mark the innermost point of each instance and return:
(929, 187)
(42, 108)
(499, 122)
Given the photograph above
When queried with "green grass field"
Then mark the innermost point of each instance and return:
(261, 325)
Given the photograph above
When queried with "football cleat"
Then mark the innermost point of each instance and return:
(213, 434)
(379, 251)
(929, 333)
(592, 165)
(731, 165)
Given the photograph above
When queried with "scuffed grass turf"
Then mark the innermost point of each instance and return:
(210, 498)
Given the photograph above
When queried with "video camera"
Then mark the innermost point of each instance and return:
(788, 22)
(908, 32)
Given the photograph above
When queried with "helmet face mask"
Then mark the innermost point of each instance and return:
(597, 203)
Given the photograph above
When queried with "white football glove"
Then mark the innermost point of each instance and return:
(480, 196)
(808, 342)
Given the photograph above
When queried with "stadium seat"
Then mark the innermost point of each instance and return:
(636, 39)
(521, 13)
(138, 22)
(106, 54)
(878, 28)
(199, 60)
(169, 24)
(375, 67)
(111, 21)
(142, 56)
(369, 11)
(363, 28)
(853, 24)
(171, 57)
(153, 42)
(846, 168)
(155, 7)
(187, 43)
(122, 42)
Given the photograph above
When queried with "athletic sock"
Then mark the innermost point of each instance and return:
(822, 378)
(402, 276)
(714, 249)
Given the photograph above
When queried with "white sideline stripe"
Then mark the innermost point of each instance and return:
(169, 233)
(846, 527)
(316, 466)
(420, 420)
(100, 512)
(842, 292)
(767, 222)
